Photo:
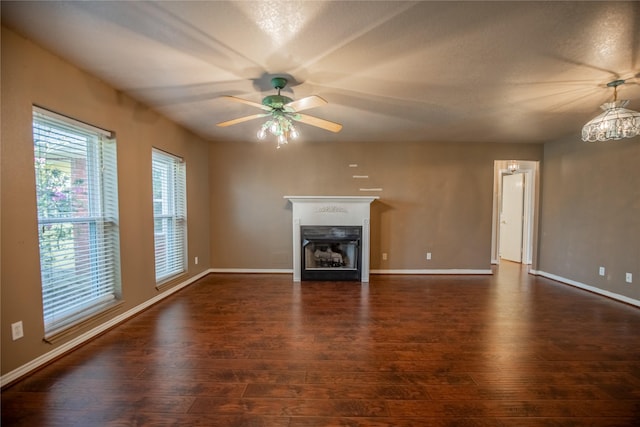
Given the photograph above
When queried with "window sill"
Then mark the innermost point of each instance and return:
(170, 281)
(64, 332)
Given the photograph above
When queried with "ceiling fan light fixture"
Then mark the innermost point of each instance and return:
(293, 132)
(616, 122)
(280, 127)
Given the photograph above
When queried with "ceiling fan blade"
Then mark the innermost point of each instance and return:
(241, 119)
(314, 121)
(245, 101)
(306, 103)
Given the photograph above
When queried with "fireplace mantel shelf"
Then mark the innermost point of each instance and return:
(367, 199)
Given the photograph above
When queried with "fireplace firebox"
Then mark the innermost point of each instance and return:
(331, 252)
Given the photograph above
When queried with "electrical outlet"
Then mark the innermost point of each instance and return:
(16, 330)
(601, 271)
(628, 277)
(428, 255)
(384, 256)
(195, 260)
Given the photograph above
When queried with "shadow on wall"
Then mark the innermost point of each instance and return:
(378, 208)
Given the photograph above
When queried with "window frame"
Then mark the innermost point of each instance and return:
(170, 260)
(80, 276)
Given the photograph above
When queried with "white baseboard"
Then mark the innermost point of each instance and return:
(589, 288)
(427, 272)
(252, 270)
(290, 271)
(81, 339)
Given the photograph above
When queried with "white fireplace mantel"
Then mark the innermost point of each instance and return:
(331, 210)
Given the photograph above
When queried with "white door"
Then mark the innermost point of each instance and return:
(511, 217)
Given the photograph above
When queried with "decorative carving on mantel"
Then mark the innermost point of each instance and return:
(329, 209)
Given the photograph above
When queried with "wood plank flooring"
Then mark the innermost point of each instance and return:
(257, 350)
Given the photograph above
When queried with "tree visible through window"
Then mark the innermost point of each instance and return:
(169, 215)
(77, 202)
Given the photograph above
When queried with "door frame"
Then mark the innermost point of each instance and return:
(529, 226)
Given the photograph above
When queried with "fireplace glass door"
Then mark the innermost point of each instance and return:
(331, 252)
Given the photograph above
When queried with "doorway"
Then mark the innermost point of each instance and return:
(514, 206)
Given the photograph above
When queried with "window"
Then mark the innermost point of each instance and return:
(169, 215)
(77, 202)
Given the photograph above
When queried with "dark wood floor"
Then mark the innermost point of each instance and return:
(256, 350)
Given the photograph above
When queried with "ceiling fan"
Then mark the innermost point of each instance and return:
(281, 111)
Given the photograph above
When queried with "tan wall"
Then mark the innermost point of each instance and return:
(591, 213)
(30, 76)
(436, 197)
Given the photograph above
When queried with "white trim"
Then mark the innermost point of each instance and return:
(81, 339)
(586, 287)
(527, 221)
(252, 270)
(399, 272)
(427, 272)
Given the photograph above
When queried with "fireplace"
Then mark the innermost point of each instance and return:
(331, 237)
(331, 252)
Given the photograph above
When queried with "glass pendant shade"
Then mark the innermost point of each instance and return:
(513, 166)
(279, 126)
(616, 122)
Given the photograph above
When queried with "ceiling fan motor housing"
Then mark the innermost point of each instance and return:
(276, 102)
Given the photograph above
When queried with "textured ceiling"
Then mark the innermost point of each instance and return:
(391, 71)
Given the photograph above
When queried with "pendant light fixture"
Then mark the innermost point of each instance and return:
(616, 122)
(513, 166)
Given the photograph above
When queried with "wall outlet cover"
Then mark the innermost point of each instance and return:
(17, 331)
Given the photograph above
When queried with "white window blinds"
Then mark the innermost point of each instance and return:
(169, 215)
(77, 203)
